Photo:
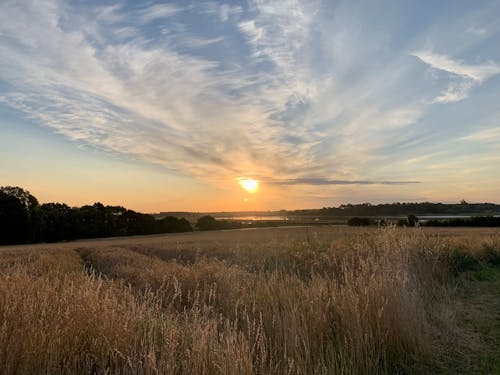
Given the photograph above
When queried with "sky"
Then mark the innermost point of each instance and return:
(166, 106)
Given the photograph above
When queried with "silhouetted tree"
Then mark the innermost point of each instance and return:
(28, 218)
(398, 209)
(14, 220)
(206, 223)
(56, 222)
(91, 221)
(24, 196)
(412, 220)
(171, 224)
(23, 220)
(359, 221)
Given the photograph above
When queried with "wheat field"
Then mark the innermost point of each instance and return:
(322, 300)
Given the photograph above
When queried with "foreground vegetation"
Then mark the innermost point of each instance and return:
(270, 301)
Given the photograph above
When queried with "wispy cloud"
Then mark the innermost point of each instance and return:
(478, 73)
(478, 31)
(468, 76)
(227, 11)
(158, 11)
(455, 92)
(224, 11)
(278, 34)
(318, 181)
(484, 135)
(200, 42)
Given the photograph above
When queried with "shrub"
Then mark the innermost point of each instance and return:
(359, 221)
(462, 261)
(491, 255)
(206, 223)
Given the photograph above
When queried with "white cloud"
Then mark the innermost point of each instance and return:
(403, 117)
(227, 11)
(478, 31)
(224, 12)
(158, 11)
(478, 73)
(279, 34)
(253, 32)
(467, 76)
(455, 92)
(484, 135)
(201, 42)
(111, 13)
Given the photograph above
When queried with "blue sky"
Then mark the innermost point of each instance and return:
(164, 105)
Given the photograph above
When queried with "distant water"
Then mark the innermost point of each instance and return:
(253, 218)
(298, 218)
(319, 218)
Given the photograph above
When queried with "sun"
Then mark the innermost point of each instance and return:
(249, 184)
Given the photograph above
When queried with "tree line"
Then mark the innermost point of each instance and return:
(24, 220)
(477, 221)
(397, 209)
(413, 221)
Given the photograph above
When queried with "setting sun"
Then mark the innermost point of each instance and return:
(249, 185)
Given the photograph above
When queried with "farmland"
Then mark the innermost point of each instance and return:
(303, 300)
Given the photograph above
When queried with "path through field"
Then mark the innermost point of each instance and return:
(479, 317)
(475, 349)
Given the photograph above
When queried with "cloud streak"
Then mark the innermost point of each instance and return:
(468, 76)
(157, 11)
(319, 181)
(489, 135)
(478, 73)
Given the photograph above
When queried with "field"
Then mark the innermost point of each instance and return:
(319, 300)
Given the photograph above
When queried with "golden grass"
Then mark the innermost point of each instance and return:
(295, 300)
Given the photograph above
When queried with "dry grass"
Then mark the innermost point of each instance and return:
(295, 300)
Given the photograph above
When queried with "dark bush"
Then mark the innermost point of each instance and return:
(207, 223)
(491, 255)
(359, 221)
(171, 224)
(462, 261)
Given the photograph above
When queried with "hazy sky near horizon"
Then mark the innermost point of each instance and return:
(164, 105)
